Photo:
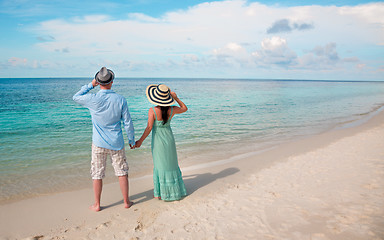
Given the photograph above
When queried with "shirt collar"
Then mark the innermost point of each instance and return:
(106, 90)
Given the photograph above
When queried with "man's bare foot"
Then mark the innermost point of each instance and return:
(95, 207)
(128, 205)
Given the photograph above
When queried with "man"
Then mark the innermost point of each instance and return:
(107, 109)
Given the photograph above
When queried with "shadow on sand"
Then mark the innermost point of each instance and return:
(196, 181)
(192, 183)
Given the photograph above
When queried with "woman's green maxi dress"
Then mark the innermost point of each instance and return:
(167, 180)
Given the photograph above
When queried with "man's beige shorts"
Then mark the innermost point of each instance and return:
(99, 160)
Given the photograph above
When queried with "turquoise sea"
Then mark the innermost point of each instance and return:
(45, 137)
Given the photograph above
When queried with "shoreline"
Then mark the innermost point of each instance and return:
(41, 216)
(76, 178)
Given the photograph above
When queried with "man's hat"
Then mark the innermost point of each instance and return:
(104, 76)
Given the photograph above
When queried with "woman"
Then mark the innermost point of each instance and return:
(167, 179)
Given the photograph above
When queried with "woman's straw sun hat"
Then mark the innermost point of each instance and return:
(159, 95)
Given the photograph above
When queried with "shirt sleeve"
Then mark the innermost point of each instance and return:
(82, 97)
(128, 124)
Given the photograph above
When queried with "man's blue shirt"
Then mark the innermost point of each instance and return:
(107, 109)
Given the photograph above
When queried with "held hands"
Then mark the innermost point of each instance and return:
(137, 145)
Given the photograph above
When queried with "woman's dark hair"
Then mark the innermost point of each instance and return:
(164, 114)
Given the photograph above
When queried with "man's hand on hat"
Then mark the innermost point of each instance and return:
(94, 83)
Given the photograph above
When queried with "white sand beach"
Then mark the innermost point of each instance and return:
(329, 186)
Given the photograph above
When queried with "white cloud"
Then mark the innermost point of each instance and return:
(14, 61)
(205, 25)
(321, 57)
(275, 50)
(230, 50)
(191, 58)
(226, 32)
(273, 43)
(93, 19)
(24, 63)
(373, 14)
(142, 18)
(231, 55)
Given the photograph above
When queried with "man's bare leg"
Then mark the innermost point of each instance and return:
(123, 180)
(97, 187)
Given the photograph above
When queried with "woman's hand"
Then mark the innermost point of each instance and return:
(138, 144)
(182, 108)
(173, 94)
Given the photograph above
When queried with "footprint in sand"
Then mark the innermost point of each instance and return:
(190, 227)
(37, 237)
(103, 225)
(139, 226)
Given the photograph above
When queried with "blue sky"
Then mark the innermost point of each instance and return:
(342, 40)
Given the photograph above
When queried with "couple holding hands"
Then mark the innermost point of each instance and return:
(108, 109)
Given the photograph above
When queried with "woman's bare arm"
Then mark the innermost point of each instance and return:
(148, 129)
(177, 110)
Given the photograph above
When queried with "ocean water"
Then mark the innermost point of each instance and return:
(45, 137)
